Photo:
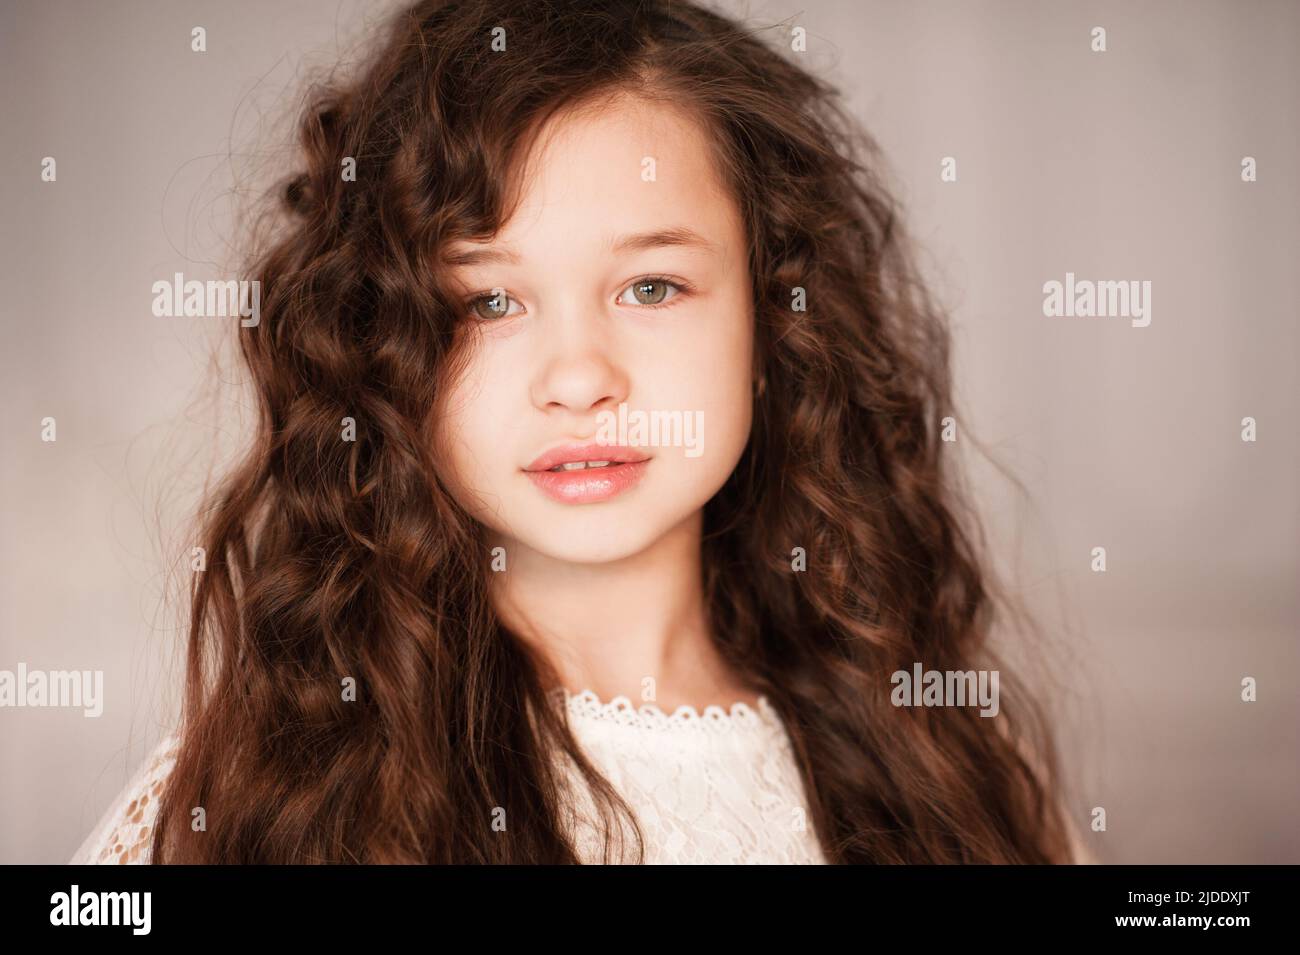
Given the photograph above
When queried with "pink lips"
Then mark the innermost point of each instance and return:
(587, 485)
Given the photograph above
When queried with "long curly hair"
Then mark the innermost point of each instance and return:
(336, 564)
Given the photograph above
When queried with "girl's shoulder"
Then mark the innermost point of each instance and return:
(124, 832)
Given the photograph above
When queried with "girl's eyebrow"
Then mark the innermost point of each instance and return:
(678, 235)
(634, 242)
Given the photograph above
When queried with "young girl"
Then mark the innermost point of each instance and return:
(598, 508)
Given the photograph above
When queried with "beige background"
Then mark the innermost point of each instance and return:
(1122, 165)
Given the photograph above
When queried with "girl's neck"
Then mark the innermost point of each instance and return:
(635, 627)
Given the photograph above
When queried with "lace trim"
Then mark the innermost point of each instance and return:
(713, 786)
(621, 711)
(123, 836)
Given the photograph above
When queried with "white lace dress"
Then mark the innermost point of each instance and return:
(719, 787)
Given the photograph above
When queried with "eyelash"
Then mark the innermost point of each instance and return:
(683, 288)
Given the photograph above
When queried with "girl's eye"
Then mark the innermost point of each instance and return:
(491, 307)
(652, 291)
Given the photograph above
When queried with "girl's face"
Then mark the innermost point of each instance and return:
(622, 280)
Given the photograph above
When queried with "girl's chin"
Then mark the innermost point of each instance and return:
(594, 542)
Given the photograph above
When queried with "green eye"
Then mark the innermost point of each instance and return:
(653, 291)
(491, 307)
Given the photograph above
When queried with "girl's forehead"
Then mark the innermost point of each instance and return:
(603, 177)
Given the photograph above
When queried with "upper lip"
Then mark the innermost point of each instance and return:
(569, 453)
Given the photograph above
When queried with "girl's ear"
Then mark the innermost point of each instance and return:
(760, 386)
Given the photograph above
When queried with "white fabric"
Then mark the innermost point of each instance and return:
(717, 787)
(122, 834)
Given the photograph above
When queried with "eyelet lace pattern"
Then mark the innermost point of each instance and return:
(714, 787)
(125, 831)
(620, 711)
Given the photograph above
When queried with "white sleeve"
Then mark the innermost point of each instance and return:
(124, 833)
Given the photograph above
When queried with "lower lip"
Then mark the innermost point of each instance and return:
(590, 485)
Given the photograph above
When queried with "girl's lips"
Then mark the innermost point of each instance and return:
(589, 485)
(569, 453)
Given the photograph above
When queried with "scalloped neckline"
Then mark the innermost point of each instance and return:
(588, 707)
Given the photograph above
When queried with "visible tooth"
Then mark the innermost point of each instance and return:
(579, 465)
